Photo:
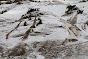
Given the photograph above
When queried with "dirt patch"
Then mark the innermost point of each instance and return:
(19, 50)
(55, 49)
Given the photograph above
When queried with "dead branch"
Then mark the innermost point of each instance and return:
(69, 40)
(68, 27)
(74, 20)
(72, 29)
(13, 29)
(75, 30)
(29, 30)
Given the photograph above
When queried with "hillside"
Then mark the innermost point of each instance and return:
(44, 30)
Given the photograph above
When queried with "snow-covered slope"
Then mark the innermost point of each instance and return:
(50, 34)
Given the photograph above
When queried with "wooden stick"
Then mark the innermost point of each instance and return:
(29, 30)
(13, 30)
(68, 25)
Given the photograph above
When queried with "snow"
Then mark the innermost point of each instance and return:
(15, 13)
(40, 57)
(7, 7)
(49, 30)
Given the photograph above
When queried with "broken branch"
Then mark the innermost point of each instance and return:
(13, 30)
(29, 30)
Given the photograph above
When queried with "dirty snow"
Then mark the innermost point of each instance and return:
(49, 30)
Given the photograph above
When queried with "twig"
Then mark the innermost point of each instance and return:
(13, 29)
(29, 30)
(75, 31)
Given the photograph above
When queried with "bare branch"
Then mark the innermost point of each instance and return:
(29, 30)
(13, 30)
(74, 20)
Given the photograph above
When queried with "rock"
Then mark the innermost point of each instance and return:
(25, 23)
(79, 11)
(40, 22)
(70, 7)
